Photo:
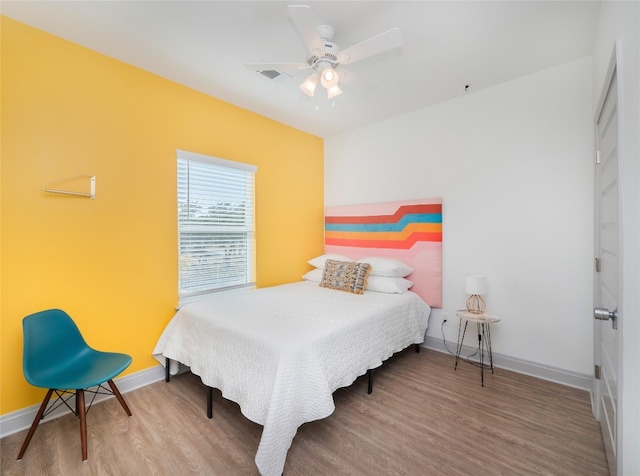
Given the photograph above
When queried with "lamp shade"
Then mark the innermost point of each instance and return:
(333, 91)
(475, 284)
(329, 78)
(309, 85)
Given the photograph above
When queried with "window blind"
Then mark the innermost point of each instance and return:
(216, 224)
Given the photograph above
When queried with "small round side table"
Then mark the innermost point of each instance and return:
(483, 322)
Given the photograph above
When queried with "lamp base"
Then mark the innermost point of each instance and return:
(475, 304)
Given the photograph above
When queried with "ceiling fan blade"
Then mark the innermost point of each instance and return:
(276, 66)
(375, 45)
(302, 17)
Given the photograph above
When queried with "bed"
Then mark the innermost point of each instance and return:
(281, 352)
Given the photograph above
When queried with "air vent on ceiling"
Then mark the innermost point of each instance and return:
(274, 74)
(270, 73)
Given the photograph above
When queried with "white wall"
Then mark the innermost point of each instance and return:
(621, 20)
(514, 166)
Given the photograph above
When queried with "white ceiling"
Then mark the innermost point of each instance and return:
(205, 44)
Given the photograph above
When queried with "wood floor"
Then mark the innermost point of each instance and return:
(423, 418)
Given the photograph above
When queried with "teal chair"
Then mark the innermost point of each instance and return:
(57, 357)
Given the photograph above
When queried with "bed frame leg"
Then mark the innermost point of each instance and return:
(417, 348)
(209, 402)
(167, 375)
(370, 386)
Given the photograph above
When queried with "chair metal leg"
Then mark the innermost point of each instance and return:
(35, 423)
(118, 395)
(209, 402)
(82, 415)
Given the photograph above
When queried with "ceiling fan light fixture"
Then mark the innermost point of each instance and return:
(329, 78)
(333, 91)
(324, 56)
(309, 85)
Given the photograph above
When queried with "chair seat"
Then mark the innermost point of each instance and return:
(87, 369)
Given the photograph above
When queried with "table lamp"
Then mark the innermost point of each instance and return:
(475, 285)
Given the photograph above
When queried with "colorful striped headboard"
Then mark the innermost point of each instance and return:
(409, 231)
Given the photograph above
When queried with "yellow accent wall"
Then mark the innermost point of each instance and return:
(111, 262)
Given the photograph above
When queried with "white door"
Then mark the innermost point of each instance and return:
(607, 278)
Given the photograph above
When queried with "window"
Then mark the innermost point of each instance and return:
(216, 226)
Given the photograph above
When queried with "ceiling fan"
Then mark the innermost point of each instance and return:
(324, 56)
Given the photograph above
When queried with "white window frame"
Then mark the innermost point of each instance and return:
(197, 263)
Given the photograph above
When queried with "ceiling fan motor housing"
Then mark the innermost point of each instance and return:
(330, 57)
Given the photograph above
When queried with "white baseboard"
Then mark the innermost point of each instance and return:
(545, 372)
(21, 419)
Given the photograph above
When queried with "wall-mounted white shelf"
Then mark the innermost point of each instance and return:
(92, 185)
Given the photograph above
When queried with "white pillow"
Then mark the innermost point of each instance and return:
(322, 259)
(314, 275)
(378, 284)
(387, 267)
(384, 284)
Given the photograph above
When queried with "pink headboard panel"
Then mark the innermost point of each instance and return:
(409, 231)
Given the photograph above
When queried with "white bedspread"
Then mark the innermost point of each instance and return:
(281, 352)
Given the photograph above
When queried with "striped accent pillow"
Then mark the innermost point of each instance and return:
(345, 276)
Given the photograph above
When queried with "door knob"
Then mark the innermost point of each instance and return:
(603, 314)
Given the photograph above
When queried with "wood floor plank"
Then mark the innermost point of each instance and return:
(422, 418)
